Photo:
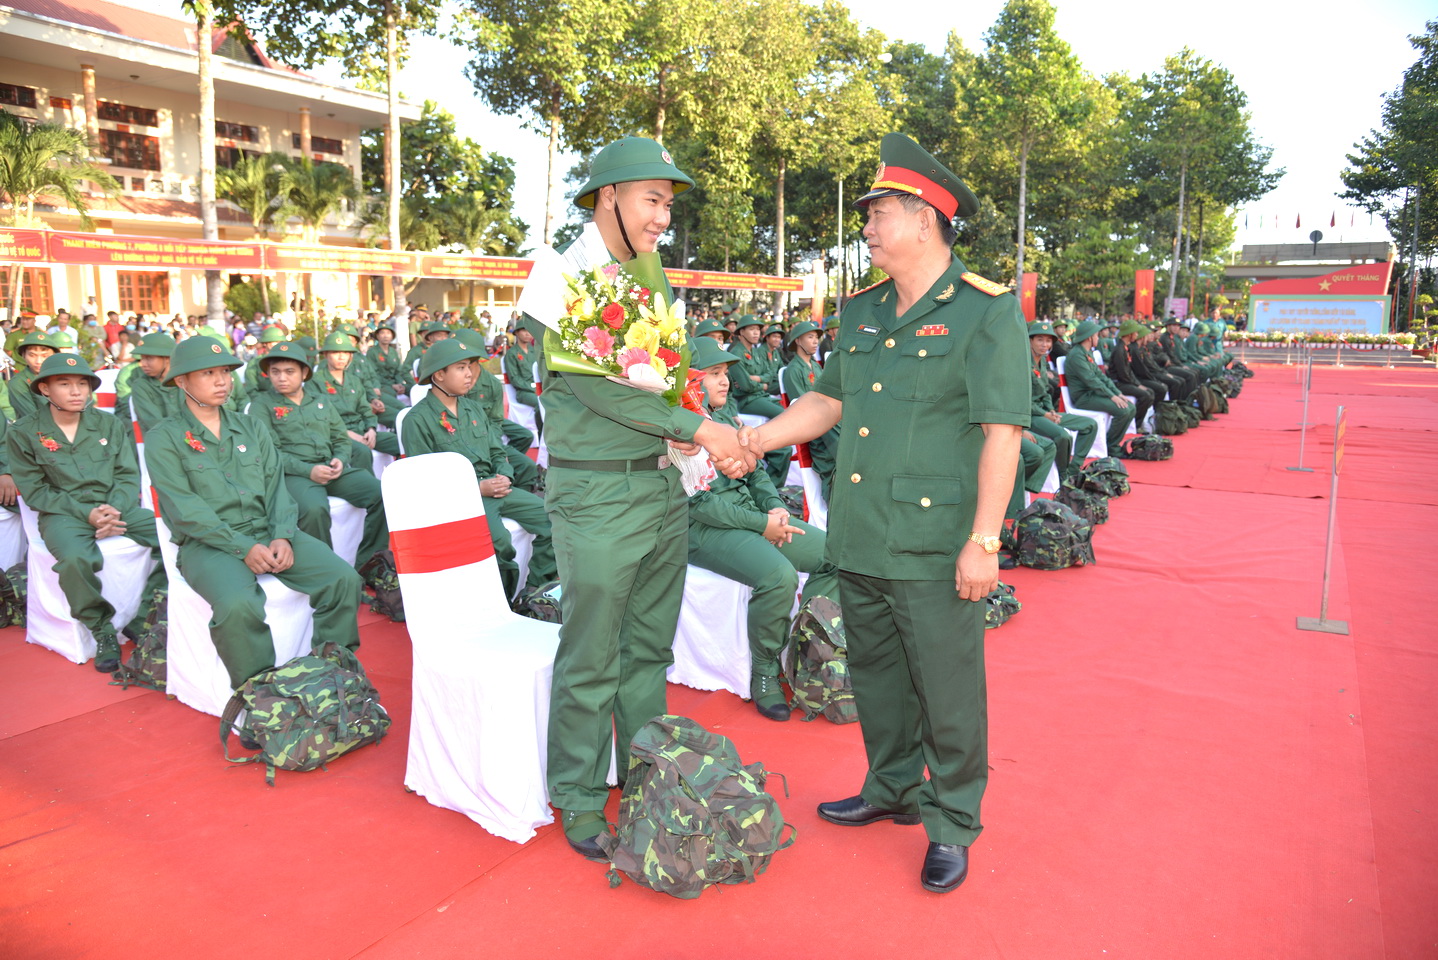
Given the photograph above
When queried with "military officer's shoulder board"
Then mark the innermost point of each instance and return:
(873, 287)
(981, 284)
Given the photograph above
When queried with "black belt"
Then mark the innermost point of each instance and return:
(612, 466)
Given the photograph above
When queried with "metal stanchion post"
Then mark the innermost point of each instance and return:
(1322, 624)
(1303, 427)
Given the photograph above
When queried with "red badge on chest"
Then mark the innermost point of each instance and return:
(933, 330)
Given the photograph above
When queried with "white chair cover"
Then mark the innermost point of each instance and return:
(105, 393)
(12, 539)
(47, 611)
(711, 644)
(1100, 440)
(416, 394)
(482, 674)
(520, 413)
(346, 528)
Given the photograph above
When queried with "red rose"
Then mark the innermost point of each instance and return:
(613, 315)
(670, 358)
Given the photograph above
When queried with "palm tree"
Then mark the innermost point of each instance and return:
(40, 160)
(253, 185)
(204, 13)
(312, 192)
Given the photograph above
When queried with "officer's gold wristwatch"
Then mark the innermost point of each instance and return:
(990, 544)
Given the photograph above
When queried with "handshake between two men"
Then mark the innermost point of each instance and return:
(736, 452)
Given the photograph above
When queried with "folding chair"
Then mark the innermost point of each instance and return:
(480, 720)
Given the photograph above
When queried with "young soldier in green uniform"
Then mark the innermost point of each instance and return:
(223, 496)
(1069, 450)
(388, 360)
(929, 376)
(774, 351)
(799, 378)
(713, 328)
(150, 399)
(826, 342)
(753, 379)
(1171, 342)
(1036, 456)
(621, 518)
(447, 420)
(430, 333)
(350, 395)
(314, 451)
(488, 392)
(76, 468)
(741, 529)
(255, 379)
(1091, 389)
(519, 368)
(35, 347)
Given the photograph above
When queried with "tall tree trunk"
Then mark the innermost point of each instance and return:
(553, 156)
(265, 295)
(659, 108)
(391, 141)
(1023, 212)
(1177, 236)
(209, 222)
(781, 299)
(17, 283)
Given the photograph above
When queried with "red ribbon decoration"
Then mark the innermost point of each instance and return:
(443, 546)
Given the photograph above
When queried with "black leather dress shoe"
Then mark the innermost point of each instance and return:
(945, 867)
(589, 849)
(854, 812)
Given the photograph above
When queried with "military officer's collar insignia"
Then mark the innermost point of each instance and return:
(886, 295)
(871, 331)
(932, 330)
(948, 294)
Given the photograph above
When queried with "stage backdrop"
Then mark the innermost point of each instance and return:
(1352, 300)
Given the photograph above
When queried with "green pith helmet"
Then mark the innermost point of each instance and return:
(472, 339)
(1085, 330)
(1173, 321)
(348, 329)
(774, 328)
(307, 341)
(626, 161)
(748, 320)
(59, 340)
(1132, 327)
(198, 353)
(273, 335)
(707, 353)
(287, 350)
(712, 325)
(338, 342)
(1042, 328)
(155, 345)
(907, 168)
(37, 338)
(801, 328)
(64, 364)
(831, 322)
(432, 326)
(442, 354)
(1201, 329)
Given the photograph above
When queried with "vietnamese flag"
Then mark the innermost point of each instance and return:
(1029, 294)
(1143, 293)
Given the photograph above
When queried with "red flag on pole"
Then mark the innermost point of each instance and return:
(1333, 220)
(1299, 221)
(1143, 293)
(1028, 295)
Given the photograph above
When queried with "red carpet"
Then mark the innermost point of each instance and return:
(1177, 771)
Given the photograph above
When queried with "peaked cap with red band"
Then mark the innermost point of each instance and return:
(906, 167)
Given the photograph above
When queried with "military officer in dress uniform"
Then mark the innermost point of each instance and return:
(314, 450)
(447, 420)
(621, 518)
(929, 374)
(1091, 389)
(741, 529)
(223, 496)
(1070, 450)
(76, 468)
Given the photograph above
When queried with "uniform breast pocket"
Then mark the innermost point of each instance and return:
(858, 350)
(926, 516)
(924, 371)
(200, 476)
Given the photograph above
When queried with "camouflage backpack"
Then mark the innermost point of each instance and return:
(1047, 535)
(1191, 414)
(1169, 419)
(146, 665)
(380, 576)
(793, 498)
(1148, 447)
(691, 815)
(1207, 401)
(12, 595)
(541, 603)
(1000, 605)
(818, 669)
(306, 713)
(1106, 475)
(1240, 368)
(1088, 504)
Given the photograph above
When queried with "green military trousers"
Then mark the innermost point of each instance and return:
(1071, 451)
(238, 626)
(773, 572)
(359, 487)
(1119, 419)
(916, 655)
(362, 457)
(527, 510)
(760, 404)
(1035, 459)
(621, 540)
(78, 563)
(526, 471)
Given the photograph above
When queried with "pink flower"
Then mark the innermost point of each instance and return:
(629, 356)
(611, 270)
(600, 344)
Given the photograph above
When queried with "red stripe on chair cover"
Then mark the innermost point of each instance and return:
(155, 500)
(802, 455)
(443, 546)
(139, 434)
(105, 399)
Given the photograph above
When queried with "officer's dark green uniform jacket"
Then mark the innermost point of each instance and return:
(915, 391)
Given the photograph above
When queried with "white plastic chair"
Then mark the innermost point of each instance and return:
(1100, 441)
(47, 611)
(480, 716)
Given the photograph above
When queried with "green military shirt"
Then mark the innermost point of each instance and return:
(22, 401)
(305, 434)
(351, 398)
(519, 366)
(741, 504)
(488, 392)
(799, 377)
(5, 406)
(389, 366)
(230, 495)
(752, 363)
(12, 344)
(152, 401)
(256, 380)
(430, 428)
(1086, 381)
(1039, 393)
(916, 390)
(71, 478)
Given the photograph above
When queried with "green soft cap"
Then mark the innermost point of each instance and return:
(629, 160)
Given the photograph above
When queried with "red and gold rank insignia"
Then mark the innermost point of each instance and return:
(987, 286)
(933, 330)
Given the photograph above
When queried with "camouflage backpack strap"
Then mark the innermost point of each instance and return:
(12, 595)
(1000, 605)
